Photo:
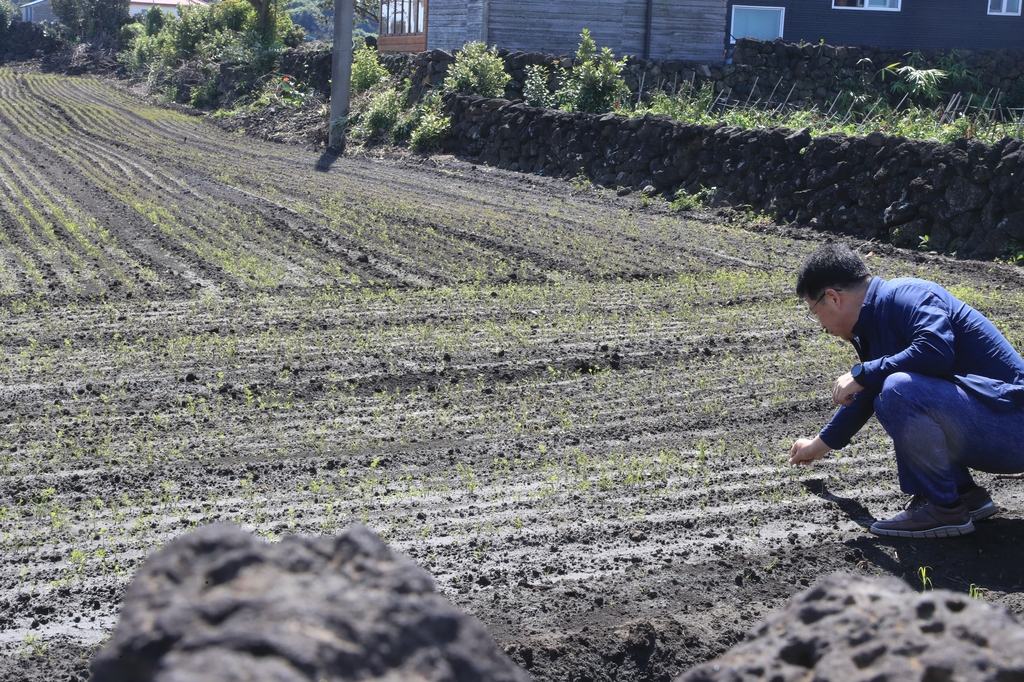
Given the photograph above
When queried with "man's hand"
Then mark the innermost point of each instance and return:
(806, 450)
(844, 389)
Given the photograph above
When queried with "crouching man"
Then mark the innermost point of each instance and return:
(943, 381)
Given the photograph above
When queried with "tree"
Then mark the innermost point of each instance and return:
(91, 19)
(7, 12)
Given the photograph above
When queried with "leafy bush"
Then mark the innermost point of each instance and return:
(144, 55)
(222, 32)
(535, 87)
(478, 70)
(922, 83)
(154, 20)
(205, 94)
(132, 32)
(594, 84)
(1015, 96)
(366, 70)
(432, 126)
(289, 33)
(383, 112)
(91, 19)
(7, 13)
(691, 202)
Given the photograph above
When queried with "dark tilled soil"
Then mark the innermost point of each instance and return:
(573, 408)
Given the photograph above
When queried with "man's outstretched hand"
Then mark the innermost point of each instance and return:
(806, 450)
(844, 389)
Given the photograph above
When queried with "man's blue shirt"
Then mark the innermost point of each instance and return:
(916, 326)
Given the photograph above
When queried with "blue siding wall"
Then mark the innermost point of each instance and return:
(919, 25)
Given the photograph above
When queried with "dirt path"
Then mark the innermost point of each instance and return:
(572, 408)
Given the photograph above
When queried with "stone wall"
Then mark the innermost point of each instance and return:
(966, 197)
(25, 40)
(819, 72)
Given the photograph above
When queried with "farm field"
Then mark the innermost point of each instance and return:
(574, 409)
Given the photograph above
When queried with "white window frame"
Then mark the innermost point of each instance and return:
(899, 5)
(1004, 13)
(732, 19)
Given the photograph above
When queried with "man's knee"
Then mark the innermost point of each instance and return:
(897, 390)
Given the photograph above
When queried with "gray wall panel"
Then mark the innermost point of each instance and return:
(680, 29)
(688, 29)
(446, 24)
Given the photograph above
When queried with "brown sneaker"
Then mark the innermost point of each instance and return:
(979, 504)
(922, 519)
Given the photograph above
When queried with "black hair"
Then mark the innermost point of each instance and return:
(831, 266)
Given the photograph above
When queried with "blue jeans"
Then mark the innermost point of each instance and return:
(940, 432)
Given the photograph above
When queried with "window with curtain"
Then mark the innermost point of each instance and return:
(401, 17)
(1004, 7)
(885, 5)
(763, 23)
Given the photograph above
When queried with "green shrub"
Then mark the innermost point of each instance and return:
(154, 20)
(1015, 96)
(535, 87)
(691, 202)
(143, 56)
(196, 24)
(205, 94)
(7, 13)
(191, 26)
(383, 112)
(431, 125)
(88, 19)
(594, 84)
(479, 70)
(131, 32)
(290, 34)
(366, 70)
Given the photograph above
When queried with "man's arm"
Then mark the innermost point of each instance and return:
(845, 423)
(923, 320)
(849, 419)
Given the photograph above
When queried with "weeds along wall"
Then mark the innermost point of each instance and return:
(966, 197)
(760, 70)
(774, 71)
(818, 72)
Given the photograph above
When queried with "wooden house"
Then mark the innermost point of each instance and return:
(662, 29)
(895, 24)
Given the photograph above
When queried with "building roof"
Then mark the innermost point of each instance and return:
(165, 3)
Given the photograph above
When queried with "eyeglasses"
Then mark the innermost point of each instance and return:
(810, 311)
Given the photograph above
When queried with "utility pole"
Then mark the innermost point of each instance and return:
(341, 71)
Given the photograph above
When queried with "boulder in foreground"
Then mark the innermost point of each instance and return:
(221, 604)
(853, 628)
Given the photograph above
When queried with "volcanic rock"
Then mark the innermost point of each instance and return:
(854, 628)
(221, 604)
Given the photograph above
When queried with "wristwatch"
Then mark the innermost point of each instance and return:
(857, 372)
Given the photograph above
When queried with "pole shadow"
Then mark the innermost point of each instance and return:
(327, 159)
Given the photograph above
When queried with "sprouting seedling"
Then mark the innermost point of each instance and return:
(975, 592)
(922, 574)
